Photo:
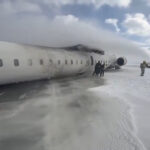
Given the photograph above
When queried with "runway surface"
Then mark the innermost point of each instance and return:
(76, 113)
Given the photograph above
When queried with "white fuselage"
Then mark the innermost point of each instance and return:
(19, 62)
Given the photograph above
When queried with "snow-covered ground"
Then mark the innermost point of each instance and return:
(85, 114)
(127, 85)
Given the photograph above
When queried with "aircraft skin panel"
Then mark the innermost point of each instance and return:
(26, 63)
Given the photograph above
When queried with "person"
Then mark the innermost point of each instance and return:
(97, 70)
(102, 69)
(143, 66)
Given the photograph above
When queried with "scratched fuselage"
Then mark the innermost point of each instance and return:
(20, 62)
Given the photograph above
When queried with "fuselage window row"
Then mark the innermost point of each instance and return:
(41, 62)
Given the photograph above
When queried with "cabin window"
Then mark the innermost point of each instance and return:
(30, 62)
(66, 62)
(41, 62)
(16, 62)
(1, 63)
(71, 62)
(59, 62)
(51, 61)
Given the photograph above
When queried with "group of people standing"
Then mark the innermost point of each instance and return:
(99, 69)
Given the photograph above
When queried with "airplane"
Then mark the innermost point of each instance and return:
(21, 62)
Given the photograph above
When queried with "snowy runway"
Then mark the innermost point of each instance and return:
(84, 114)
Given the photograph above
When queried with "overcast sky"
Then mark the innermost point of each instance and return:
(65, 22)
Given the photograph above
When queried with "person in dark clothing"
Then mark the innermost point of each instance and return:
(97, 70)
(102, 70)
(143, 66)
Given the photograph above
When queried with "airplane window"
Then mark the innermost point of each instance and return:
(16, 62)
(51, 61)
(71, 61)
(30, 62)
(59, 62)
(1, 62)
(41, 62)
(66, 62)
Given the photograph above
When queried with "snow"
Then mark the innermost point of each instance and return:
(80, 113)
(129, 86)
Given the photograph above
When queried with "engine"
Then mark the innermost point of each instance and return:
(121, 61)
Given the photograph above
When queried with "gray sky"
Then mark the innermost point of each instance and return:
(109, 24)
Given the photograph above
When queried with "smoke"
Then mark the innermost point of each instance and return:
(66, 30)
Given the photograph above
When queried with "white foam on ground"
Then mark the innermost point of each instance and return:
(100, 118)
(128, 86)
(74, 115)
